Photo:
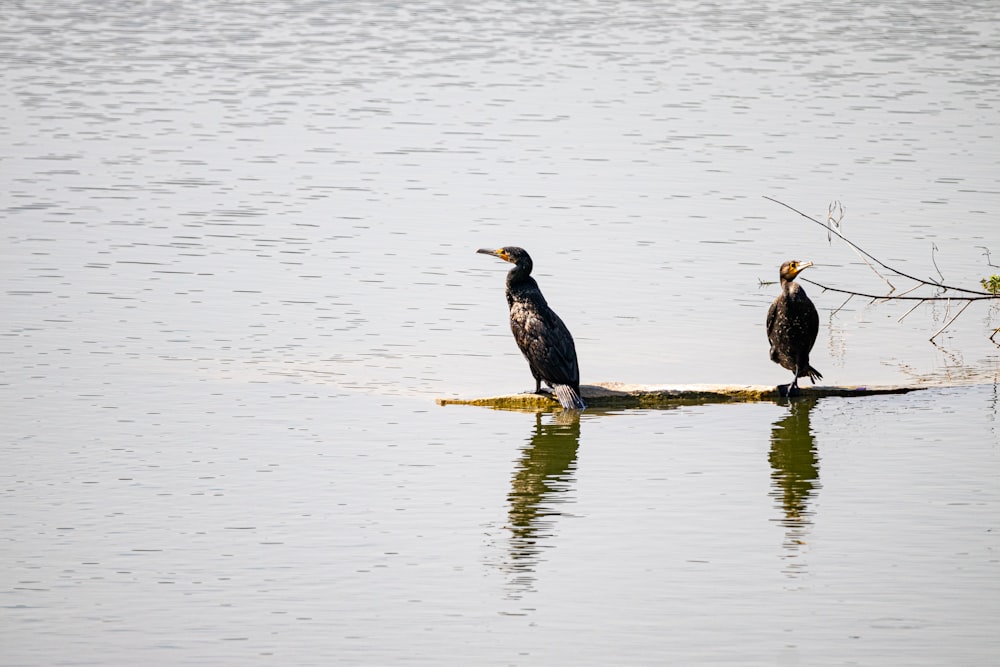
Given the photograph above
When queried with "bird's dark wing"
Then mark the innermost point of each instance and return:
(812, 324)
(772, 315)
(545, 342)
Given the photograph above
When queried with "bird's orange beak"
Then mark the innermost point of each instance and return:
(802, 267)
(496, 253)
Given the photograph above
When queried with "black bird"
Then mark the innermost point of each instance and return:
(543, 338)
(792, 325)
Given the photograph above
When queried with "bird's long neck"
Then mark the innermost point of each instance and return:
(791, 288)
(520, 284)
(520, 275)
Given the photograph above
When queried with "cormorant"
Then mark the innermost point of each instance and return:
(543, 338)
(792, 325)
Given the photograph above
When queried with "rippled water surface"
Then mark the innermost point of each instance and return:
(237, 266)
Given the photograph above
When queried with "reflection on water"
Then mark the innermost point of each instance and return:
(993, 411)
(542, 477)
(951, 368)
(795, 473)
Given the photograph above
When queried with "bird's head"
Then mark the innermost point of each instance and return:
(517, 256)
(791, 269)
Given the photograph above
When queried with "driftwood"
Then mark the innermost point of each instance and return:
(621, 395)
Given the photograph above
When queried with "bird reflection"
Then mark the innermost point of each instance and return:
(544, 472)
(795, 472)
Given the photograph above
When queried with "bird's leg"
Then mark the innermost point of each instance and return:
(793, 388)
(538, 387)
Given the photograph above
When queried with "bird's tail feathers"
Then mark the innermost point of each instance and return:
(814, 374)
(568, 397)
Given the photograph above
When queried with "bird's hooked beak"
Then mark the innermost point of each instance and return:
(496, 253)
(799, 268)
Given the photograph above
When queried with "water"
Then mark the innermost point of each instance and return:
(238, 266)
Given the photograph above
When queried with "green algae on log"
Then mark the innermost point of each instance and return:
(619, 394)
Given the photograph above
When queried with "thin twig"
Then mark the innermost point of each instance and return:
(841, 306)
(892, 288)
(837, 223)
(915, 306)
(960, 311)
(838, 208)
(989, 262)
(912, 289)
(934, 262)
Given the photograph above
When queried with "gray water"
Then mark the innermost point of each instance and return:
(238, 266)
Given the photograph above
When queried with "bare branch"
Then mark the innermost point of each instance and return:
(889, 297)
(874, 259)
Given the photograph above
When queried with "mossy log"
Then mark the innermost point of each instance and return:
(621, 395)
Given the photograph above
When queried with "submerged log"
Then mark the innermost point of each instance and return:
(621, 395)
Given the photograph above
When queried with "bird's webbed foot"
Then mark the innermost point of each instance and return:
(788, 390)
